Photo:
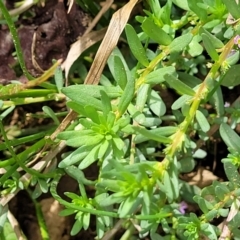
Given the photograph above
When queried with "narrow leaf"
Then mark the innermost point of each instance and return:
(106, 104)
(181, 102)
(178, 44)
(77, 91)
(126, 97)
(51, 114)
(217, 43)
(157, 76)
(231, 139)
(136, 46)
(155, 32)
(151, 135)
(232, 77)
(120, 72)
(232, 173)
(210, 47)
(179, 86)
(193, 5)
(202, 121)
(233, 8)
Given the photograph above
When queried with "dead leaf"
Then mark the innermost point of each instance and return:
(115, 28)
(79, 46)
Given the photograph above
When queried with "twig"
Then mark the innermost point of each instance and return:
(109, 234)
(15, 225)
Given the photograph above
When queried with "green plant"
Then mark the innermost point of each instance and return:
(141, 146)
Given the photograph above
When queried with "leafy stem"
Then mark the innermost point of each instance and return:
(201, 93)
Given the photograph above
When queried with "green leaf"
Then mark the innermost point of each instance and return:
(195, 48)
(90, 158)
(43, 185)
(106, 103)
(10, 90)
(135, 45)
(204, 205)
(58, 77)
(156, 8)
(163, 131)
(194, 6)
(173, 175)
(232, 173)
(51, 114)
(114, 68)
(86, 220)
(126, 97)
(232, 77)
(82, 99)
(3, 216)
(88, 140)
(103, 148)
(186, 164)
(92, 113)
(142, 95)
(9, 232)
(117, 147)
(223, 212)
(234, 223)
(210, 47)
(232, 58)
(75, 157)
(151, 135)
(78, 175)
(188, 79)
(157, 76)
(77, 226)
(168, 187)
(179, 43)
(129, 206)
(221, 191)
(183, 4)
(156, 33)
(202, 121)
(231, 139)
(86, 94)
(67, 212)
(210, 230)
(218, 101)
(179, 86)
(120, 72)
(138, 116)
(211, 214)
(111, 117)
(180, 102)
(232, 8)
(156, 104)
(216, 43)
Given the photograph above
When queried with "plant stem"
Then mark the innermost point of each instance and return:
(40, 218)
(204, 88)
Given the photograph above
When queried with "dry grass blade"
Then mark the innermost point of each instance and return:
(79, 46)
(115, 28)
(16, 227)
(87, 40)
(105, 7)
